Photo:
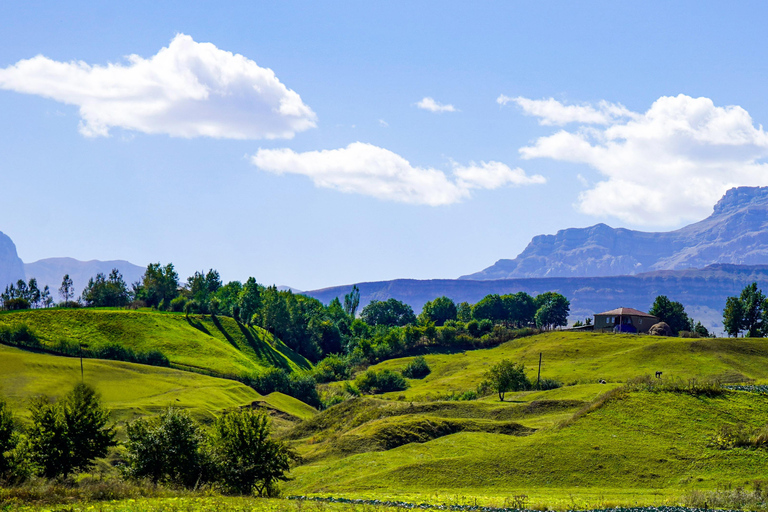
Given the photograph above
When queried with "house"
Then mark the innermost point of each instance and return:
(625, 320)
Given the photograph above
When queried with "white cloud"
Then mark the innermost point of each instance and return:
(433, 106)
(383, 123)
(188, 89)
(666, 165)
(373, 171)
(553, 113)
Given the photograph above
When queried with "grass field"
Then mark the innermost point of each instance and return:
(584, 358)
(130, 390)
(217, 344)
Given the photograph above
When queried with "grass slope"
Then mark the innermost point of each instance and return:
(216, 344)
(129, 390)
(588, 357)
(646, 444)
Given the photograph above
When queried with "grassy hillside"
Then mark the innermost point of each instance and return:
(131, 390)
(216, 344)
(588, 357)
(644, 445)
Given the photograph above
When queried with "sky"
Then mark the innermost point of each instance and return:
(314, 144)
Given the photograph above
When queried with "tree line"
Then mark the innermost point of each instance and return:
(236, 454)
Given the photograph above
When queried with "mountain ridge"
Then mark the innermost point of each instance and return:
(735, 233)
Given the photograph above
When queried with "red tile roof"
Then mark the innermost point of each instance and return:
(625, 312)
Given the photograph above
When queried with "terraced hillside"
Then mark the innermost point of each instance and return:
(584, 358)
(132, 390)
(216, 344)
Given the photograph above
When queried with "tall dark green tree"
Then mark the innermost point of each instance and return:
(439, 311)
(159, 285)
(733, 316)
(490, 307)
(551, 310)
(464, 311)
(747, 312)
(67, 289)
(520, 308)
(352, 301)
(103, 291)
(249, 300)
(673, 313)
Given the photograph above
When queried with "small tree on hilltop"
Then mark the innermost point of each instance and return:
(673, 313)
(507, 376)
(67, 289)
(747, 312)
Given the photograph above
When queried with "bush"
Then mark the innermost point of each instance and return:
(177, 304)
(298, 385)
(417, 368)
(332, 369)
(546, 384)
(245, 458)
(16, 304)
(473, 328)
(485, 326)
(167, 449)
(19, 336)
(381, 381)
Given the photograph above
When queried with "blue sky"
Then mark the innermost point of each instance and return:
(637, 114)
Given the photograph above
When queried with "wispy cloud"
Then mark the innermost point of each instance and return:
(188, 89)
(430, 104)
(660, 167)
(373, 171)
(552, 112)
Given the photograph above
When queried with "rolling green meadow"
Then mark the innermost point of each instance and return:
(583, 445)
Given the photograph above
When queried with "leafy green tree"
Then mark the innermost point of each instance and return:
(673, 313)
(733, 316)
(67, 289)
(103, 291)
(67, 436)
(390, 312)
(352, 301)
(249, 300)
(464, 312)
(753, 307)
(701, 330)
(247, 460)
(439, 311)
(166, 449)
(491, 307)
(507, 376)
(160, 284)
(552, 310)
(520, 308)
(9, 440)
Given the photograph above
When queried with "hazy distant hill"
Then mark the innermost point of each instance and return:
(736, 232)
(50, 271)
(11, 266)
(702, 291)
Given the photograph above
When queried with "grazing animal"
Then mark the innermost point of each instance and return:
(601, 381)
(658, 375)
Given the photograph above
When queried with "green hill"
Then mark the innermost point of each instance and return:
(217, 344)
(585, 358)
(128, 390)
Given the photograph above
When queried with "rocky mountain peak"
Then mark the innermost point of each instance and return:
(740, 197)
(11, 266)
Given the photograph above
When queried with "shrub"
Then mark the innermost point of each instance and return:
(177, 304)
(473, 328)
(485, 326)
(16, 304)
(19, 335)
(331, 369)
(546, 384)
(381, 381)
(417, 368)
(245, 458)
(167, 449)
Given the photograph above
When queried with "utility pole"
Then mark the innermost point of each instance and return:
(538, 377)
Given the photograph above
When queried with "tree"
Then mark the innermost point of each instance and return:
(8, 439)
(103, 291)
(507, 376)
(246, 458)
(352, 301)
(464, 312)
(439, 311)
(673, 313)
(66, 291)
(67, 436)
(390, 312)
(160, 284)
(701, 330)
(166, 449)
(733, 316)
(552, 310)
(491, 307)
(520, 308)
(753, 307)
(249, 300)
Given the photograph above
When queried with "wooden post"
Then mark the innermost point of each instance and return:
(538, 377)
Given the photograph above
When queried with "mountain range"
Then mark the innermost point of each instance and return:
(735, 233)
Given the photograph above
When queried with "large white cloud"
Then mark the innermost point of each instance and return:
(188, 89)
(664, 166)
(370, 170)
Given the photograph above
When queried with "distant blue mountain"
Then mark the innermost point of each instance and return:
(50, 271)
(11, 266)
(735, 233)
